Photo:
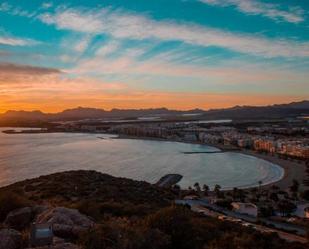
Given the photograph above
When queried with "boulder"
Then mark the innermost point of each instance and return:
(10, 239)
(59, 244)
(19, 218)
(65, 245)
(66, 222)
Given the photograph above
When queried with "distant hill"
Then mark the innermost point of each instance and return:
(253, 112)
(238, 112)
(89, 113)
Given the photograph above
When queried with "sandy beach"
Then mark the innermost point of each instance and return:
(292, 169)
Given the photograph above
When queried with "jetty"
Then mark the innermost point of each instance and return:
(222, 150)
(169, 180)
(202, 152)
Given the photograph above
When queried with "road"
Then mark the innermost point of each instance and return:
(216, 211)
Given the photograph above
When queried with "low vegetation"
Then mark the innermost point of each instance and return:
(134, 215)
(177, 227)
(92, 193)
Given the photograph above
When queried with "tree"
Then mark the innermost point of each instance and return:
(238, 194)
(217, 191)
(275, 188)
(274, 197)
(235, 193)
(294, 188)
(305, 195)
(197, 187)
(286, 207)
(205, 189)
(260, 184)
(266, 211)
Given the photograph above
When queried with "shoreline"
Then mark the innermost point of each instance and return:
(292, 170)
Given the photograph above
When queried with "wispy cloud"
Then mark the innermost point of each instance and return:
(13, 41)
(18, 78)
(16, 11)
(255, 7)
(83, 44)
(46, 5)
(125, 25)
(128, 65)
(5, 6)
(26, 69)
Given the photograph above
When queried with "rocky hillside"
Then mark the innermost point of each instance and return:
(90, 210)
(93, 190)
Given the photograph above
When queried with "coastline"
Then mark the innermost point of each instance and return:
(292, 170)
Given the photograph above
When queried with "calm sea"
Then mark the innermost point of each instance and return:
(25, 156)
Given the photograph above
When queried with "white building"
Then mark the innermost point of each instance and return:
(302, 210)
(245, 208)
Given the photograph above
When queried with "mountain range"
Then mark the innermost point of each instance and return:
(237, 112)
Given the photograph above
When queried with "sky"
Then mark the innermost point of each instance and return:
(179, 54)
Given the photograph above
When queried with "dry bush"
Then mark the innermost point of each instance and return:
(10, 201)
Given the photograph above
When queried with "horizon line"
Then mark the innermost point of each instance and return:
(151, 108)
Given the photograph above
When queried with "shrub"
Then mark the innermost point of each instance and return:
(124, 209)
(224, 203)
(122, 234)
(10, 201)
(305, 195)
(89, 208)
(175, 222)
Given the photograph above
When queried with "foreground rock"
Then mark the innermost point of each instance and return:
(58, 243)
(65, 245)
(10, 239)
(19, 218)
(22, 217)
(66, 222)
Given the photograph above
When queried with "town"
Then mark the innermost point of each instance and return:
(283, 139)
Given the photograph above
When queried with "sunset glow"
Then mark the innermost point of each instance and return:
(118, 54)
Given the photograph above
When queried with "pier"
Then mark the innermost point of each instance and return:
(169, 180)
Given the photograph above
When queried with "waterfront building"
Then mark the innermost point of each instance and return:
(245, 208)
(267, 144)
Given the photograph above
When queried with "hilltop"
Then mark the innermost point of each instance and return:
(77, 188)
